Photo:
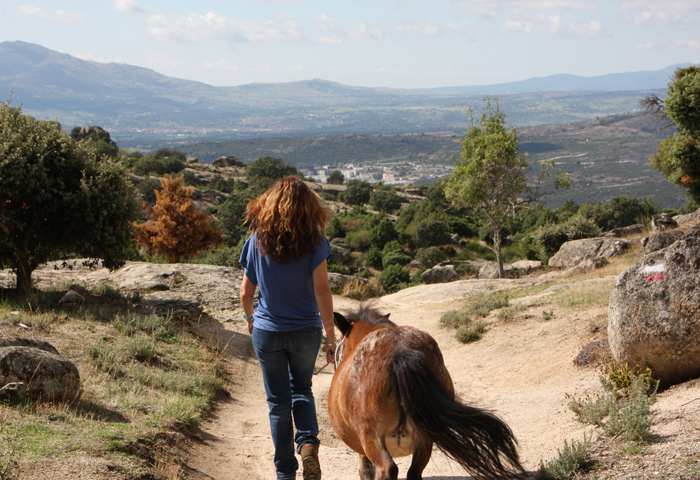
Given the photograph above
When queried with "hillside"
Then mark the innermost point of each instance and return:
(137, 104)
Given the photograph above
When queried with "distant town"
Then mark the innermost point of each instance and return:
(386, 173)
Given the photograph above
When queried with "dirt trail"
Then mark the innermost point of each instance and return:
(522, 370)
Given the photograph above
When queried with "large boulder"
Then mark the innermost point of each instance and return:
(660, 222)
(47, 376)
(657, 241)
(438, 274)
(490, 271)
(574, 252)
(629, 231)
(654, 312)
(339, 282)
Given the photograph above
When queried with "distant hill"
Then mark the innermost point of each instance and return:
(138, 105)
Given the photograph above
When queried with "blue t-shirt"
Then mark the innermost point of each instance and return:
(286, 300)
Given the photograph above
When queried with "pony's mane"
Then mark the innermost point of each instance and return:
(370, 315)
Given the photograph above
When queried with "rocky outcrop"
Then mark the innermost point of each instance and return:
(576, 251)
(654, 313)
(657, 241)
(660, 222)
(629, 231)
(527, 266)
(228, 161)
(440, 274)
(45, 375)
(689, 218)
(490, 270)
(340, 282)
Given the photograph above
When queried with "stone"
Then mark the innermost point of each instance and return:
(661, 222)
(490, 270)
(47, 376)
(527, 266)
(688, 218)
(228, 161)
(629, 231)
(71, 298)
(173, 308)
(654, 312)
(338, 282)
(27, 342)
(657, 241)
(440, 274)
(574, 252)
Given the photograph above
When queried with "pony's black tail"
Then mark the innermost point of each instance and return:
(480, 441)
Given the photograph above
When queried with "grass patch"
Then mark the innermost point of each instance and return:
(142, 376)
(570, 459)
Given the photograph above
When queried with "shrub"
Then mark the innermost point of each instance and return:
(373, 258)
(571, 459)
(470, 333)
(393, 247)
(385, 200)
(394, 258)
(384, 232)
(357, 192)
(432, 233)
(392, 277)
(360, 240)
(430, 256)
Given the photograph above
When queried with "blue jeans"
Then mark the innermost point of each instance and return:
(287, 360)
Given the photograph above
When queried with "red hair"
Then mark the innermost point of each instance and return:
(289, 219)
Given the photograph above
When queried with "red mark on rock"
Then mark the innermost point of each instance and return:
(655, 277)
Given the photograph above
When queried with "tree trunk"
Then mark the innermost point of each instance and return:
(23, 271)
(497, 249)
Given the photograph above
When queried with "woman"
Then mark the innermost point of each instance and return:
(286, 258)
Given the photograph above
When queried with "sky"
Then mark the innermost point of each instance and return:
(371, 43)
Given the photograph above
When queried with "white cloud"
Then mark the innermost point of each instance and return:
(554, 25)
(428, 29)
(194, 28)
(332, 39)
(362, 32)
(644, 46)
(673, 6)
(686, 44)
(127, 6)
(392, 71)
(491, 5)
(325, 22)
(57, 16)
(295, 68)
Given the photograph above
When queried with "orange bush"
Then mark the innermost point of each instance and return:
(175, 229)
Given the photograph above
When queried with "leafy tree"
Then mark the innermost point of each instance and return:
(385, 200)
(357, 192)
(678, 156)
(393, 276)
(491, 173)
(384, 232)
(158, 166)
(96, 138)
(262, 173)
(231, 214)
(432, 233)
(175, 228)
(336, 177)
(170, 153)
(58, 199)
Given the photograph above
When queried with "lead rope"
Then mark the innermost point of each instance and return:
(336, 358)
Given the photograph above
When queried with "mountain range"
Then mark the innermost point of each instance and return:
(135, 103)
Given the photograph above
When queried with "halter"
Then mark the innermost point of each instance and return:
(339, 352)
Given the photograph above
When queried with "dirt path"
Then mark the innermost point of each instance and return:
(523, 370)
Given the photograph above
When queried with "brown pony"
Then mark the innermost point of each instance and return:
(392, 396)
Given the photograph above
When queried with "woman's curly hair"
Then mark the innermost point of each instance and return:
(289, 219)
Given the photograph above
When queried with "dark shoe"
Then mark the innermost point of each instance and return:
(309, 459)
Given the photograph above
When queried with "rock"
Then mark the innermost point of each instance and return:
(637, 229)
(173, 308)
(654, 313)
(661, 222)
(27, 342)
(228, 161)
(657, 241)
(341, 252)
(527, 266)
(47, 376)
(585, 266)
(440, 275)
(688, 218)
(490, 270)
(13, 392)
(71, 298)
(574, 252)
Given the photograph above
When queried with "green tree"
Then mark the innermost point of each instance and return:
(385, 200)
(384, 232)
(58, 199)
(491, 173)
(678, 156)
(231, 214)
(336, 177)
(262, 173)
(357, 192)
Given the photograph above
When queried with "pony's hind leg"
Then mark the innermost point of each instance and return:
(419, 460)
(367, 470)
